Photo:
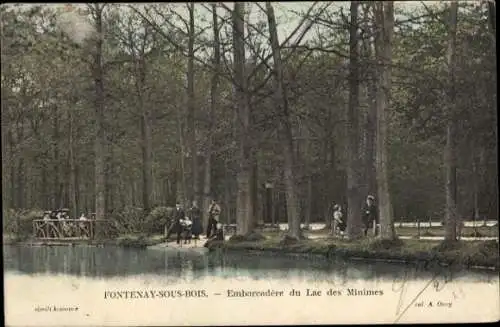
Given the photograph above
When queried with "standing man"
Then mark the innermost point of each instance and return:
(213, 217)
(176, 226)
(370, 214)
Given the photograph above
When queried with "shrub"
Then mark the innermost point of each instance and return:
(128, 220)
(288, 240)
(380, 244)
(20, 222)
(447, 246)
(9, 222)
(157, 219)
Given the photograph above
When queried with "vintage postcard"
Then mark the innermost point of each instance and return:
(249, 163)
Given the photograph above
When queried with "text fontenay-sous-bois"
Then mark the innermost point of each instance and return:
(238, 293)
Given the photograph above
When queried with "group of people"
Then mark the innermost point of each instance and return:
(61, 214)
(61, 218)
(189, 225)
(370, 217)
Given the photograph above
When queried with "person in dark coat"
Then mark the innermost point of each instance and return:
(370, 214)
(177, 227)
(195, 214)
(213, 218)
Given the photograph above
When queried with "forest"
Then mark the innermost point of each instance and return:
(123, 110)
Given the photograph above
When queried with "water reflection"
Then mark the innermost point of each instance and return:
(105, 262)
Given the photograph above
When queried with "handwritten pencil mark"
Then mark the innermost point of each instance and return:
(401, 289)
(400, 315)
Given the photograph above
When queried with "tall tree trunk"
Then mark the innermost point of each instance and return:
(354, 199)
(182, 172)
(371, 119)
(255, 190)
(191, 126)
(214, 103)
(109, 179)
(45, 196)
(285, 130)
(146, 140)
(56, 195)
(227, 196)
(147, 178)
(100, 165)
(243, 203)
(385, 15)
(492, 20)
(5, 164)
(450, 148)
(475, 183)
(309, 201)
(307, 159)
(12, 166)
(20, 170)
(73, 193)
(77, 188)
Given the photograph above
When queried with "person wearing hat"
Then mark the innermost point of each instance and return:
(46, 215)
(83, 227)
(370, 214)
(177, 226)
(213, 218)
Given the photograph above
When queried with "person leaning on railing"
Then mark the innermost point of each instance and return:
(82, 225)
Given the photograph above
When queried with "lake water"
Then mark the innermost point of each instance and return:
(112, 286)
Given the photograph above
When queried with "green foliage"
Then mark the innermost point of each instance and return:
(20, 222)
(128, 220)
(157, 219)
(48, 99)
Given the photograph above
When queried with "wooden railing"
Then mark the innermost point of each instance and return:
(64, 228)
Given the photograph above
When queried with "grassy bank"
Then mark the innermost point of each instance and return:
(480, 231)
(468, 254)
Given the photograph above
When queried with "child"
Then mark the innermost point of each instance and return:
(187, 224)
(338, 223)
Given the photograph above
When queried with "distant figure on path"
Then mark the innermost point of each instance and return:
(197, 227)
(213, 217)
(370, 214)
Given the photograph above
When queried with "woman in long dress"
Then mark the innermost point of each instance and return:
(197, 227)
